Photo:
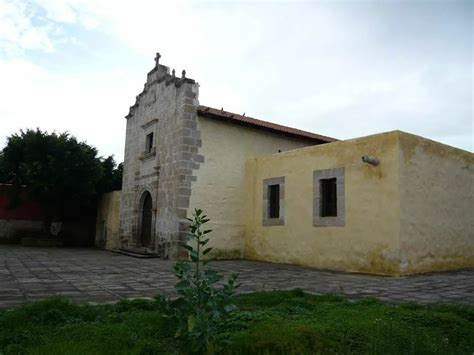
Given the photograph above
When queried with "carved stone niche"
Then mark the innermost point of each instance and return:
(150, 98)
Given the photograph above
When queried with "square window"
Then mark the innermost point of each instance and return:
(274, 201)
(328, 191)
(149, 143)
(329, 203)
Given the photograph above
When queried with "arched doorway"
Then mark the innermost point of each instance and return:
(147, 210)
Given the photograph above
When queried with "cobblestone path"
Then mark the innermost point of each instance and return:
(90, 275)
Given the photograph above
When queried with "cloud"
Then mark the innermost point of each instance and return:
(339, 69)
(17, 31)
(80, 105)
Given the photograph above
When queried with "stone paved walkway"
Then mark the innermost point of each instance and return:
(89, 275)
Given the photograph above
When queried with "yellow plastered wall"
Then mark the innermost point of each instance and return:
(369, 241)
(108, 221)
(220, 186)
(437, 198)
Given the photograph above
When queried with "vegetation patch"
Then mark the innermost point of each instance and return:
(278, 322)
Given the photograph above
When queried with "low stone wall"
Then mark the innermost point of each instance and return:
(108, 221)
(12, 231)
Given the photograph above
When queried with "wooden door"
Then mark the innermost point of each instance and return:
(146, 221)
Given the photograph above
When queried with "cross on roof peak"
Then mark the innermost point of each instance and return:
(157, 58)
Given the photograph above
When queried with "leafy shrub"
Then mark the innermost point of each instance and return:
(202, 307)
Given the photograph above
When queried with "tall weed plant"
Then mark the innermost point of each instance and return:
(205, 299)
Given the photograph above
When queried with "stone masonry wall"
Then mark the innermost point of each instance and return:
(167, 107)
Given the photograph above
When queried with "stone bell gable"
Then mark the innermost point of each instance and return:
(161, 152)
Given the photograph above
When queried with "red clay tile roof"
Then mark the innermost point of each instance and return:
(249, 121)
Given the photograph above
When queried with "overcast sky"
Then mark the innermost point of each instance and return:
(342, 69)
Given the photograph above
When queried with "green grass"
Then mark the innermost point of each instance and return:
(278, 322)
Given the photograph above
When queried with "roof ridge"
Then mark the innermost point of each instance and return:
(216, 113)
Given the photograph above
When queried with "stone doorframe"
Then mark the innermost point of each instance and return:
(139, 215)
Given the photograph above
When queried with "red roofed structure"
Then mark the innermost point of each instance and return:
(222, 115)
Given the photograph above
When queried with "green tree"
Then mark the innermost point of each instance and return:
(112, 178)
(54, 169)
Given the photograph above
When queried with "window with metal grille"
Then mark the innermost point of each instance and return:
(273, 201)
(328, 207)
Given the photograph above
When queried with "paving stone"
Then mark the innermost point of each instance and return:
(91, 275)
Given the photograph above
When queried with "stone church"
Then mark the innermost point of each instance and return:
(390, 203)
(164, 154)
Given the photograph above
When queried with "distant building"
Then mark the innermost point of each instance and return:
(26, 217)
(279, 194)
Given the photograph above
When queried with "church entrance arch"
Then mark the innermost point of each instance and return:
(146, 219)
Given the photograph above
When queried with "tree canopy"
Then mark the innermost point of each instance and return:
(56, 169)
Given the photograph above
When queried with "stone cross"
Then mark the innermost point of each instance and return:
(157, 59)
(183, 74)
